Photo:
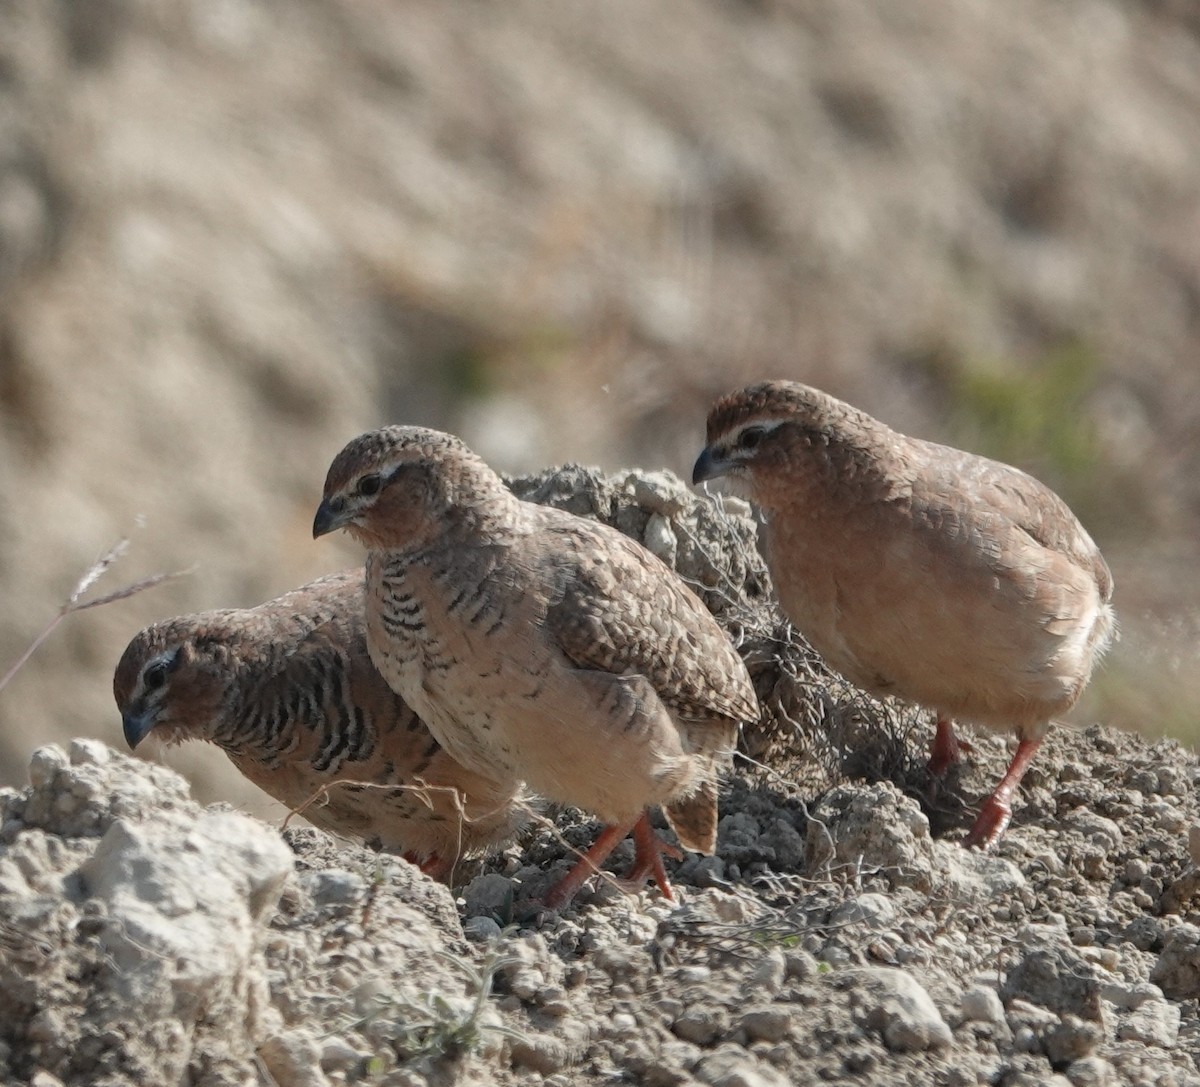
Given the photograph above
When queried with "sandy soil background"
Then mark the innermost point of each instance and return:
(233, 233)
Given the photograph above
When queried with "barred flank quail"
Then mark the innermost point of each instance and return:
(539, 646)
(918, 570)
(289, 692)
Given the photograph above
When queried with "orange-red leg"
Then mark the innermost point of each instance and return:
(587, 865)
(996, 811)
(433, 865)
(947, 748)
(647, 859)
(649, 850)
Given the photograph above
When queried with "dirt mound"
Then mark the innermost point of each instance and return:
(839, 935)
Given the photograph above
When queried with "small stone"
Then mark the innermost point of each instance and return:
(659, 539)
(1071, 1039)
(702, 1025)
(731, 1066)
(982, 1005)
(799, 965)
(1177, 971)
(1194, 843)
(481, 929)
(623, 1023)
(1144, 932)
(337, 1054)
(1055, 976)
(1091, 1072)
(872, 909)
(293, 1058)
(335, 887)
(769, 1023)
(767, 976)
(42, 1078)
(542, 1053)
(490, 894)
(1154, 1023)
(44, 763)
(896, 1004)
(84, 752)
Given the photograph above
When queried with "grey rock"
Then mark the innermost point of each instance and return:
(982, 1005)
(1055, 976)
(1071, 1039)
(1091, 1072)
(871, 909)
(490, 894)
(702, 1025)
(1155, 1022)
(294, 1058)
(731, 1066)
(1177, 971)
(896, 1005)
(481, 929)
(769, 1023)
(875, 826)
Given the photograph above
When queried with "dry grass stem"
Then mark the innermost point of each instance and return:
(73, 602)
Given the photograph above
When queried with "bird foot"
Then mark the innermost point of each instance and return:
(996, 811)
(587, 866)
(994, 817)
(647, 862)
(434, 866)
(648, 859)
(947, 748)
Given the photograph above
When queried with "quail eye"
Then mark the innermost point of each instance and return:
(750, 437)
(369, 485)
(154, 676)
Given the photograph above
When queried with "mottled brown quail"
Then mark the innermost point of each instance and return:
(540, 646)
(289, 692)
(919, 570)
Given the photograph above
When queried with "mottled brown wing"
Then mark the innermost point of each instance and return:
(617, 608)
(1017, 500)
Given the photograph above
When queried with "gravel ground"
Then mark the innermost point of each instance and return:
(840, 935)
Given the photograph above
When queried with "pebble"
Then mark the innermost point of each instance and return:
(481, 929)
(982, 1005)
(1153, 1023)
(731, 1066)
(871, 909)
(897, 1006)
(1091, 1072)
(293, 1058)
(1177, 971)
(334, 887)
(488, 894)
(1055, 976)
(769, 1023)
(702, 1025)
(1071, 1039)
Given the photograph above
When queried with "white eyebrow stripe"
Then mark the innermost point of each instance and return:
(765, 425)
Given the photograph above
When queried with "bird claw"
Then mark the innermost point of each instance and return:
(994, 816)
(649, 850)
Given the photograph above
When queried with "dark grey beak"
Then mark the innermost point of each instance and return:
(137, 727)
(328, 518)
(708, 465)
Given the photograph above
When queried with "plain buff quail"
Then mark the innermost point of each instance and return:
(289, 692)
(919, 570)
(540, 646)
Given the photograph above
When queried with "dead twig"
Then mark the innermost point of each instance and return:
(74, 601)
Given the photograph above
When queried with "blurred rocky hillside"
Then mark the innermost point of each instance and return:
(234, 233)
